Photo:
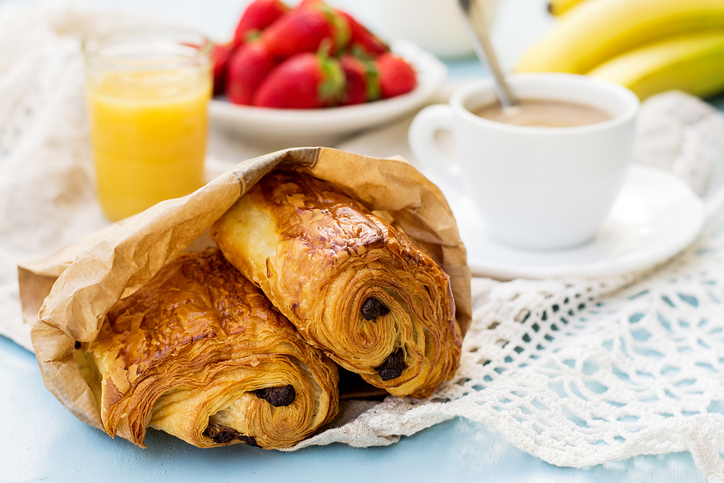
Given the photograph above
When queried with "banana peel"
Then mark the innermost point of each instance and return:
(692, 63)
(559, 7)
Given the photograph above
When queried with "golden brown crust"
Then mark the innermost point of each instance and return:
(195, 352)
(352, 284)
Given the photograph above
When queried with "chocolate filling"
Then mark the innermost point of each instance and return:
(224, 435)
(373, 308)
(393, 367)
(277, 396)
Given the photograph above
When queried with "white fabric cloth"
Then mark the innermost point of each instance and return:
(577, 372)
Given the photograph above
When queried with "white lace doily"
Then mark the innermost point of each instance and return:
(576, 372)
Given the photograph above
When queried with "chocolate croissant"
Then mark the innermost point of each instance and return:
(200, 352)
(352, 284)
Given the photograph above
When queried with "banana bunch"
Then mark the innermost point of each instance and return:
(648, 46)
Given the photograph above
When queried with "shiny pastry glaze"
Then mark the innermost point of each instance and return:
(352, 284)
(201, 353)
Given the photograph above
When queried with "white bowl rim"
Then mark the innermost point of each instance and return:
(431, 75)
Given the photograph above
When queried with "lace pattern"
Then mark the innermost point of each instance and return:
(577, 372)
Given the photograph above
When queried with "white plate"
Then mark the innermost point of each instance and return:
(655, 216)
(283, 128)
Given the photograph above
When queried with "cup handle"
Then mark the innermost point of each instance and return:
(421, 137)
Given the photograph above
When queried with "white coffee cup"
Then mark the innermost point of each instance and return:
(541, 188)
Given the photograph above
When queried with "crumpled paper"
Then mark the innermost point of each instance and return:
(66, 294)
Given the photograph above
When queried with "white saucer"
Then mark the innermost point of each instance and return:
(655, 216)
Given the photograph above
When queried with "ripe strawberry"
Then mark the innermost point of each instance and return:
(258, 16)
(248, 67)
(305, 81)
(220, 57)
(363, 39)
(362, 84)
(305, 28)
(396, 75)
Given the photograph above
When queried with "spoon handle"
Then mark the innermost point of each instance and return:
(476, 29)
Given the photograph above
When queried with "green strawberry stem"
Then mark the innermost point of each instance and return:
(252, 35)
(342, 32)
(324, 49)
(332, 87)
(372, 75)
(359, 53)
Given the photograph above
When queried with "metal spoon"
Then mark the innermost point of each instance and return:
(477, 31)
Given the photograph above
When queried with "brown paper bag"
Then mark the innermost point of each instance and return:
(66, 294)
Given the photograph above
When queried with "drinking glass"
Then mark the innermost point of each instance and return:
(147, 94)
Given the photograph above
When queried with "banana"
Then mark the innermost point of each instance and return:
(691, 63)
(597, 30)
(559, 7)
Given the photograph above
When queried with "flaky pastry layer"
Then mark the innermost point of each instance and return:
(352, 284)
(200, 352)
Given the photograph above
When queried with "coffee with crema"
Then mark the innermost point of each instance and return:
(543, 113)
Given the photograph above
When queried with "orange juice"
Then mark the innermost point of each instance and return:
(149, 124)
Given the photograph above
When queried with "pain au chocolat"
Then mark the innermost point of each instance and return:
(200, 352)
(351, 283)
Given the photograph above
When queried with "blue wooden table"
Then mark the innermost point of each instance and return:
(40, 440)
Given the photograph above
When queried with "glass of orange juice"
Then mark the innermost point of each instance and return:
(147, 93)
